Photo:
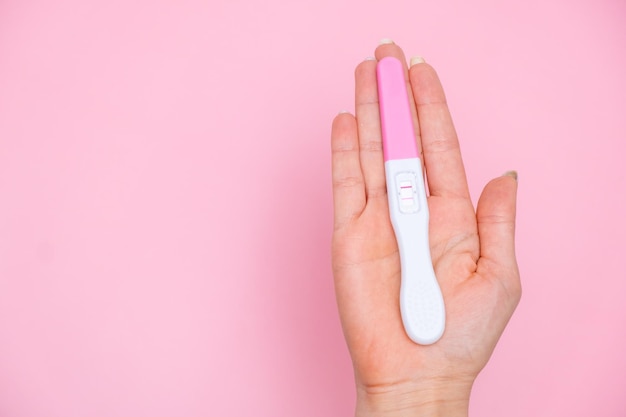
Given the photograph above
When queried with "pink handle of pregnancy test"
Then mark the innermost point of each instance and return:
(395, 112)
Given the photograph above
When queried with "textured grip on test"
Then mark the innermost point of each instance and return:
(422, 309)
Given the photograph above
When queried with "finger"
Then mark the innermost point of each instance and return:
(495, 215)
(391, 49)
(368, 124)
(348, 185)
(442, 154)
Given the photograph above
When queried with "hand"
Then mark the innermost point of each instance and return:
(473, 256)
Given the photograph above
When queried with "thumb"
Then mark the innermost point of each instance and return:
(495, 215)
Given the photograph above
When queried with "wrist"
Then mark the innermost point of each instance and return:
(443, 398)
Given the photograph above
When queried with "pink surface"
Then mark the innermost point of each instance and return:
(395, 112)
(165, 202)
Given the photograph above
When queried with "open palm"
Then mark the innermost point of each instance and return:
(472, 251)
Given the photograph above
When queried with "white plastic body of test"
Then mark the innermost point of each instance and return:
(421, 302)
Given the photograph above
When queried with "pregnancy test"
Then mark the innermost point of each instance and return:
(421, 302)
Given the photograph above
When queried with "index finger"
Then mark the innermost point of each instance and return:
(442, 154)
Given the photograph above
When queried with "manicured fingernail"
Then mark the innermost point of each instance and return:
(417, 60)
(385, 41)
(512, 174)
(343, 112)
(370, 58)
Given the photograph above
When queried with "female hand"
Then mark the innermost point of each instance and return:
(473, 256)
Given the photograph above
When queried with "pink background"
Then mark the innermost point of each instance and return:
(165, 202)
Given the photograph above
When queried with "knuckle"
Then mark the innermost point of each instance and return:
(347, 182)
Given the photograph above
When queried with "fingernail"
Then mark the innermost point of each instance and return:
(417, 60)
(385, 41)
(343, 112)
(512, 174)
(370, 58)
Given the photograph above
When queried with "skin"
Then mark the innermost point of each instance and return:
(473, 255)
